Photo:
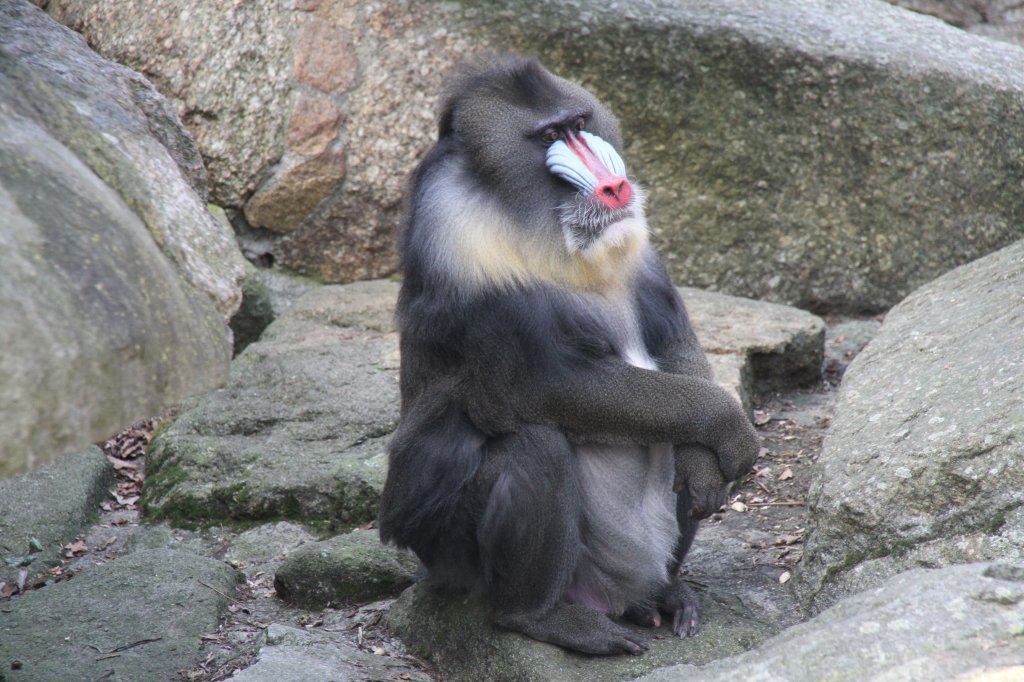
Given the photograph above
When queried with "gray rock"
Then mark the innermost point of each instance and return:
(126, 133)
(828, 155)
(778, 346)
(284, 288)
(294, 654)
(848, 338)
(50, 505)
(106, 249)
(301, 430)
(139, 617)
(962, 622)
(98, 329)
(457, 637)
(923, 465)
(346, 569)
(162, 536)
(263, 548)
(226, 69)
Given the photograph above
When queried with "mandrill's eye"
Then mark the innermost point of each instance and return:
(550, 136)
(579, 125)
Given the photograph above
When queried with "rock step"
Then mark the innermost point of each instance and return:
(49, 506)
(347, 569)
(139, 617)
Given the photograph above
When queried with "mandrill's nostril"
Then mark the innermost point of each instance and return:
(614, 192)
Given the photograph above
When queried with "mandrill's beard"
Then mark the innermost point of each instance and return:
(590, 228)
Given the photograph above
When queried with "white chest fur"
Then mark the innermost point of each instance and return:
(630, 505)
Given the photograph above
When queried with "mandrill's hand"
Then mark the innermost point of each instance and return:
(697, 469)
(709, 475)
(736, 446)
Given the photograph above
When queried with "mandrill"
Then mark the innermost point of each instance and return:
(560, 432)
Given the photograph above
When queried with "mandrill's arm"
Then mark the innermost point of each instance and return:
(616, 401)
(696, 466)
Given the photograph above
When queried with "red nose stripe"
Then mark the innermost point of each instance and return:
(612, 190)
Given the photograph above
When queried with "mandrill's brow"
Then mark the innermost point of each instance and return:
(563, 118)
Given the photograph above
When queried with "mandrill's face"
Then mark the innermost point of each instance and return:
(549, 152)
(607, 210)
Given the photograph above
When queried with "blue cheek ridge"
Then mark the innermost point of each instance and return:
(563, 163)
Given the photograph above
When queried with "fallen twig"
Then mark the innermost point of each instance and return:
(211, 587)
(123, 647)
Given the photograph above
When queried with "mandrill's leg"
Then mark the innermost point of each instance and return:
(676, 599)
(530, 542)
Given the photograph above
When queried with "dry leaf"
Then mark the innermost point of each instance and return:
(120, 464)
(786, 474)
(75, 548)
(784, 578)
(787, 540)
(761, 417)
(738, 507)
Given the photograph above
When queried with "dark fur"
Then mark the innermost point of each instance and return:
(500, 384)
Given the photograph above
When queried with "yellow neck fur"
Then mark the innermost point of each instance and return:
(487, 255)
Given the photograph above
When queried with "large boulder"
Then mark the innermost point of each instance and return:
(958, 623)
(126, 133)
(924, 464)
(830, 155)
(116, 281)
(300, 431)
(302, 427)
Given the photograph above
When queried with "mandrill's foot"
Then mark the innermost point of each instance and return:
(644, 615)
(680, 601)
(677, 601)
(576, 627)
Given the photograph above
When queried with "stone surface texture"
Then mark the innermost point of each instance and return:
(126, 133)
(464, 645)
(293, 654)
(300, 430)
(347, 569)
(225, 67)
(72, 487)
(924, 464)
(956, 623)
(999, 19)
(94, 625)
(116, 281)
